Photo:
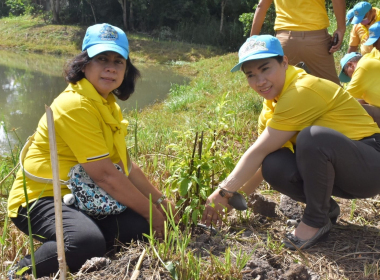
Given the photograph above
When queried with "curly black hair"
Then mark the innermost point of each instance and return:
(73, 74)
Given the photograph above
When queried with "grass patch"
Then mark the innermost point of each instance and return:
(32, 34)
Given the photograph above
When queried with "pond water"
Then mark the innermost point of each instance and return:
(29, 81)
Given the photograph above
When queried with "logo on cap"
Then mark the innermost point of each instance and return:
(371, 34)
(108, 33)
(254, 45)
(356, 13)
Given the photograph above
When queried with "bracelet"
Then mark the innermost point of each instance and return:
(160, 200)
(219, 187)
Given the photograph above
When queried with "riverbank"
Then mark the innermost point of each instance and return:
(161, 140)
(28, 34)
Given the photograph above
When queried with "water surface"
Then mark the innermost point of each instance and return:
(29, 81)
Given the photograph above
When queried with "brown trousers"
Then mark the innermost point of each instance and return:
(311, 47)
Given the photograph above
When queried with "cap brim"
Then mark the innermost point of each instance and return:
(357, 20)
(253, 57)
(99, 48)
(344, 78)
(348, 22)
(370, 41)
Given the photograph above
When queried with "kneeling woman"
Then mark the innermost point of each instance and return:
(89, 131)
(315, 141)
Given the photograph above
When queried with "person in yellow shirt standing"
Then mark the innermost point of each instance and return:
(364, 84)
(315, 141)
(301, 27)
(364, 17)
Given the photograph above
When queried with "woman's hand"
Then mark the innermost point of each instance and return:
(169, 208)
(158, 225)
(213, 215)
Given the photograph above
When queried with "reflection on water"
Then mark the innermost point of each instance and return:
(29, 81)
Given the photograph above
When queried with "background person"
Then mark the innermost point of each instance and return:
(89, 130)
(364, 84)
(364, 16)
(348, 64)
(315, 141)
(301, 27)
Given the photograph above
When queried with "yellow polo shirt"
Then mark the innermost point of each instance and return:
(358, 36)
(307, 100)
(82, 135)
(300, 15)
(365, 79)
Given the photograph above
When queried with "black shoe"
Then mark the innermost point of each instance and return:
(293, 242)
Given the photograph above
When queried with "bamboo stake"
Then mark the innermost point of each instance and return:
(57, 193)
(136, 272)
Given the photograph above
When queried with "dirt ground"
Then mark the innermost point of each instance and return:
(352, 250)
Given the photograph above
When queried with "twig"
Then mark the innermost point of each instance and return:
(57, 194)
(356, 253)
(136, 272)
(9, 174)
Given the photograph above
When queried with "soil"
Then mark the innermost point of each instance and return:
(352, 250)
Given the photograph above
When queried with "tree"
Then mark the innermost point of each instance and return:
(92, 9)
(123, 4)
(223, 4)
(55, 7)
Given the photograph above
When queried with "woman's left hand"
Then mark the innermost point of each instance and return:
(213, 214)
(167, 205)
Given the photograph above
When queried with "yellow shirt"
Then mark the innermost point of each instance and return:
(88, 128)
(359, 35)
(306, 100)
(365, 79)
(300, 15)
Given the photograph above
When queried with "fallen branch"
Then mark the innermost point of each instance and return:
(136, 272)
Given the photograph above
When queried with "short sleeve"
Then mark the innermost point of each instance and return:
(81, 129)
(356, 87)
(297, 109)
(354, 37)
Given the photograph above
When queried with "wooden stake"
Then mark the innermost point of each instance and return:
(57, 194)
(136, 272)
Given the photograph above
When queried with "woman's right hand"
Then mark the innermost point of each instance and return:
(158, 223)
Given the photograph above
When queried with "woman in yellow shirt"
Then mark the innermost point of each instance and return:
(89, 131)
(315, 141)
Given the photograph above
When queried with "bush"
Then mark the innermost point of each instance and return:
(16, 7)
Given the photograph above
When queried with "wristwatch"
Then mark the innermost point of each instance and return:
(226, 194)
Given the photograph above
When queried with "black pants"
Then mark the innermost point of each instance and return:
(84, 237)
(325, 163)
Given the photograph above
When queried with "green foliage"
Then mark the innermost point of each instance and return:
(246, 20)
(16, 7)
(195, 175)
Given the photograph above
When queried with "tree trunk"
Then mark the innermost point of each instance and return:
(92, 9)
(125, 14)
(123, 4)
(223, 6)
(131, 16)
(55, 10)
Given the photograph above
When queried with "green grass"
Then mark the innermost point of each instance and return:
(32, 34)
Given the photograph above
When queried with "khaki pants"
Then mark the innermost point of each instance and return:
(311, 47)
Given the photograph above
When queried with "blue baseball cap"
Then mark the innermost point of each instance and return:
(105, 37)
(360, 9)
(342, 76)
(258, 47)
(349, 16)
(374, 34)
